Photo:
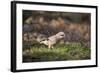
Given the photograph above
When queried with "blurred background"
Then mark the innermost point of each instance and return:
(77, 26)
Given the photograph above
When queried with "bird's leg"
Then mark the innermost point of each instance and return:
(49, 46)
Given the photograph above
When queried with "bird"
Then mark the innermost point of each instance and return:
(51, 40)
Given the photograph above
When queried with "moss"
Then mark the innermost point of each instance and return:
(60, 52)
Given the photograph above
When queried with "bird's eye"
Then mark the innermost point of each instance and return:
(62, 35)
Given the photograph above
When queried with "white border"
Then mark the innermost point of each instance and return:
(37, 65)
